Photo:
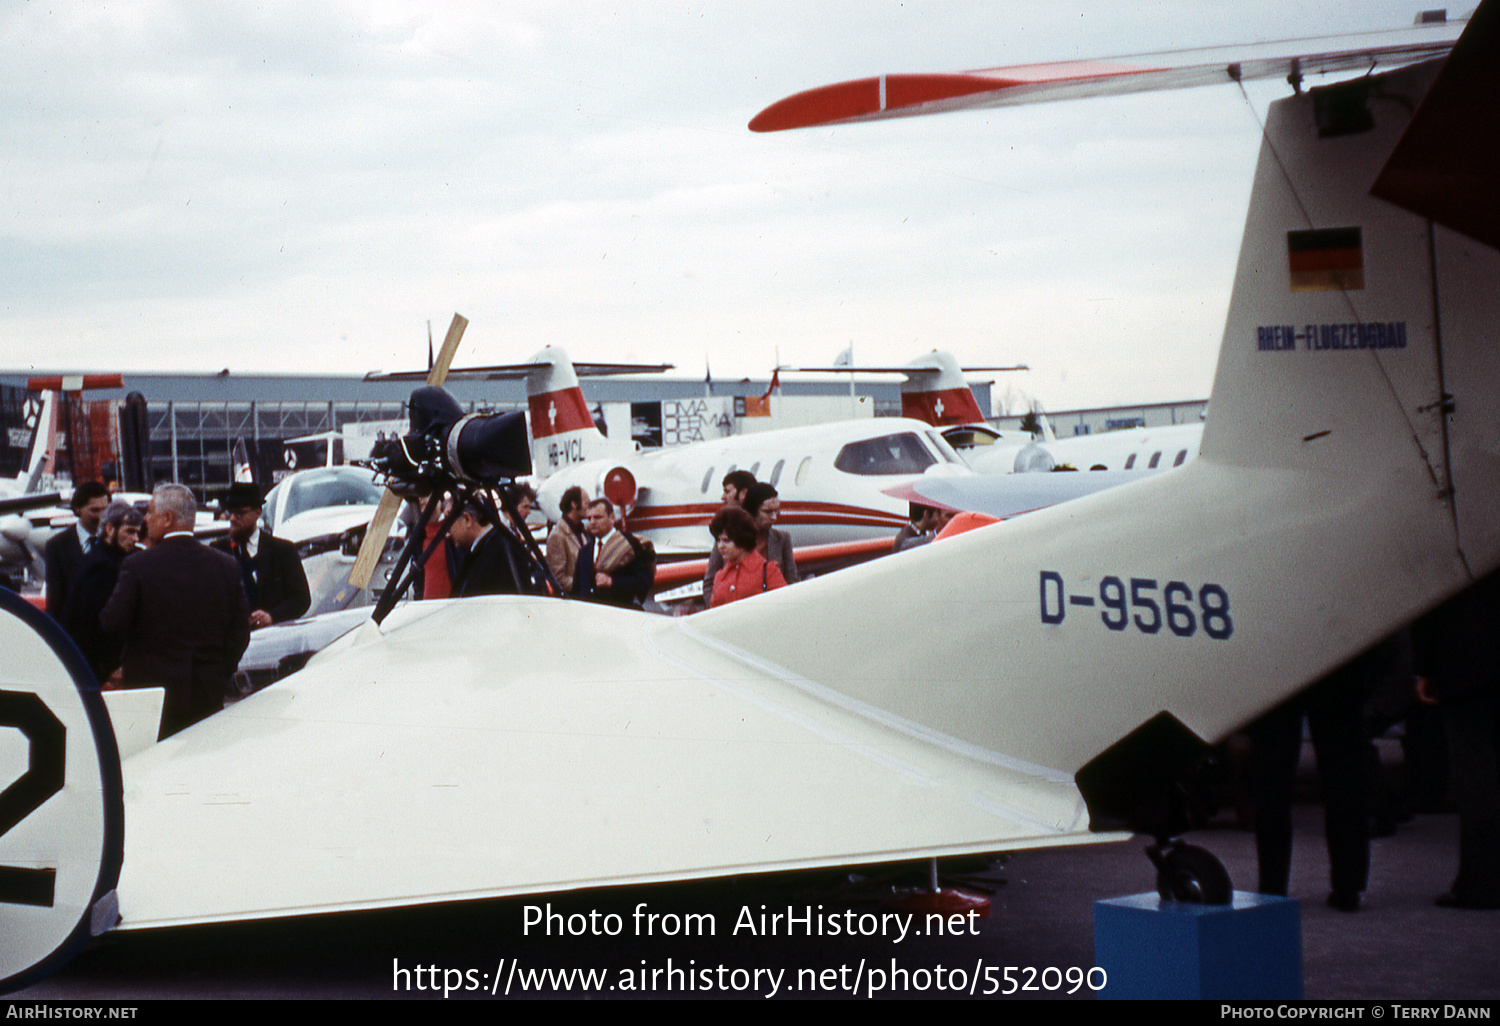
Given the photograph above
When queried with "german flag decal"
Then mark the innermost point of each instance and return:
(1326, 258)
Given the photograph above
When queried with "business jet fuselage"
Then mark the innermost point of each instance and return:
(831, 480)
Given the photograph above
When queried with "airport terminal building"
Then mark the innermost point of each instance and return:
(183, 427)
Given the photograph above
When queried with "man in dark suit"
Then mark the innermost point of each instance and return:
(119, 531)
(66, 549)
(275, 583)
(491, 560)
(614, 568)
(182, 610)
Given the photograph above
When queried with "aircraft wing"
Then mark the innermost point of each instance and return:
(22, 503)
(1009, 495)
(400, 768)
(909, 95)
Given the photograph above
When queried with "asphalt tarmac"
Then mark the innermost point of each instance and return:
(1398, 946)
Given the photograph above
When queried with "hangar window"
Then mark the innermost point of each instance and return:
(1181, 458)
(1155, 459)
(776, 472)
(802, 469)
(889, 454)
(707, 480)
(1130, 462)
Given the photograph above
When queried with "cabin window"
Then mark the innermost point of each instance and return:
(1181, 458)
(1130, 462)
(707, 480)
(755, 470)
(802, 469)
(889, 454)
(1155, 459)
(776, 472)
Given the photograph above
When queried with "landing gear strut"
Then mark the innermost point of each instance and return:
(1190, 874)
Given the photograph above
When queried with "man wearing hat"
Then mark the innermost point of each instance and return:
(275, 584)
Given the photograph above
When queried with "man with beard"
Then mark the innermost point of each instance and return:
(275, 583)
(119, 533)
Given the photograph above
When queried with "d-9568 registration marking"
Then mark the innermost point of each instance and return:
(1143, 603)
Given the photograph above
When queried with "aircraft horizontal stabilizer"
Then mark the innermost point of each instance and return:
(910, 95)
(517, 371)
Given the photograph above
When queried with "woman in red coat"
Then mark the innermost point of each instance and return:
(746, 572)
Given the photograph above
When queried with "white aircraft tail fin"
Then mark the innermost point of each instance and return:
(1048, 435)
(43, 442)
(1349, 481)
(938, 392)
(933, 387)
(562, 428)
(243, 472)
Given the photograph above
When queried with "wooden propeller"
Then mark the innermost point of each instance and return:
(380, 526)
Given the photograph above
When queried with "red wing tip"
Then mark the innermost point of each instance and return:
(820, 106)
(864, 97)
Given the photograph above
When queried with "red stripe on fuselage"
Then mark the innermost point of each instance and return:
(658, 518)
(555, 413)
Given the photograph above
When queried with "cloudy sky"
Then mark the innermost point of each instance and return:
(303, 186)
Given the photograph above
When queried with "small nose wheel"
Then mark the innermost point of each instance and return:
(1189, 874)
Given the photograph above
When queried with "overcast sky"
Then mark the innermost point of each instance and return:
(302, 186)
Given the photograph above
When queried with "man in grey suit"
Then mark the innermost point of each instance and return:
(181, 608)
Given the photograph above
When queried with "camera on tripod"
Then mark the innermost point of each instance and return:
(446, 448)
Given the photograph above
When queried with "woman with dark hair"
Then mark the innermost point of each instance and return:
(774, 546)
(746, 572)
(762, 503)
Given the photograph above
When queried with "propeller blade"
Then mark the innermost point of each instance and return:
(380, 526)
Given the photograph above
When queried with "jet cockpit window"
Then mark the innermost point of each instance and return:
(317, 489)
(802, 469)
(945, 449)
(889, 454)
(776, 472)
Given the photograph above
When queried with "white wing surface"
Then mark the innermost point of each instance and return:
(573, 746)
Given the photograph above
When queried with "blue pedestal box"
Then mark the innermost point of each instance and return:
(1248, 950)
